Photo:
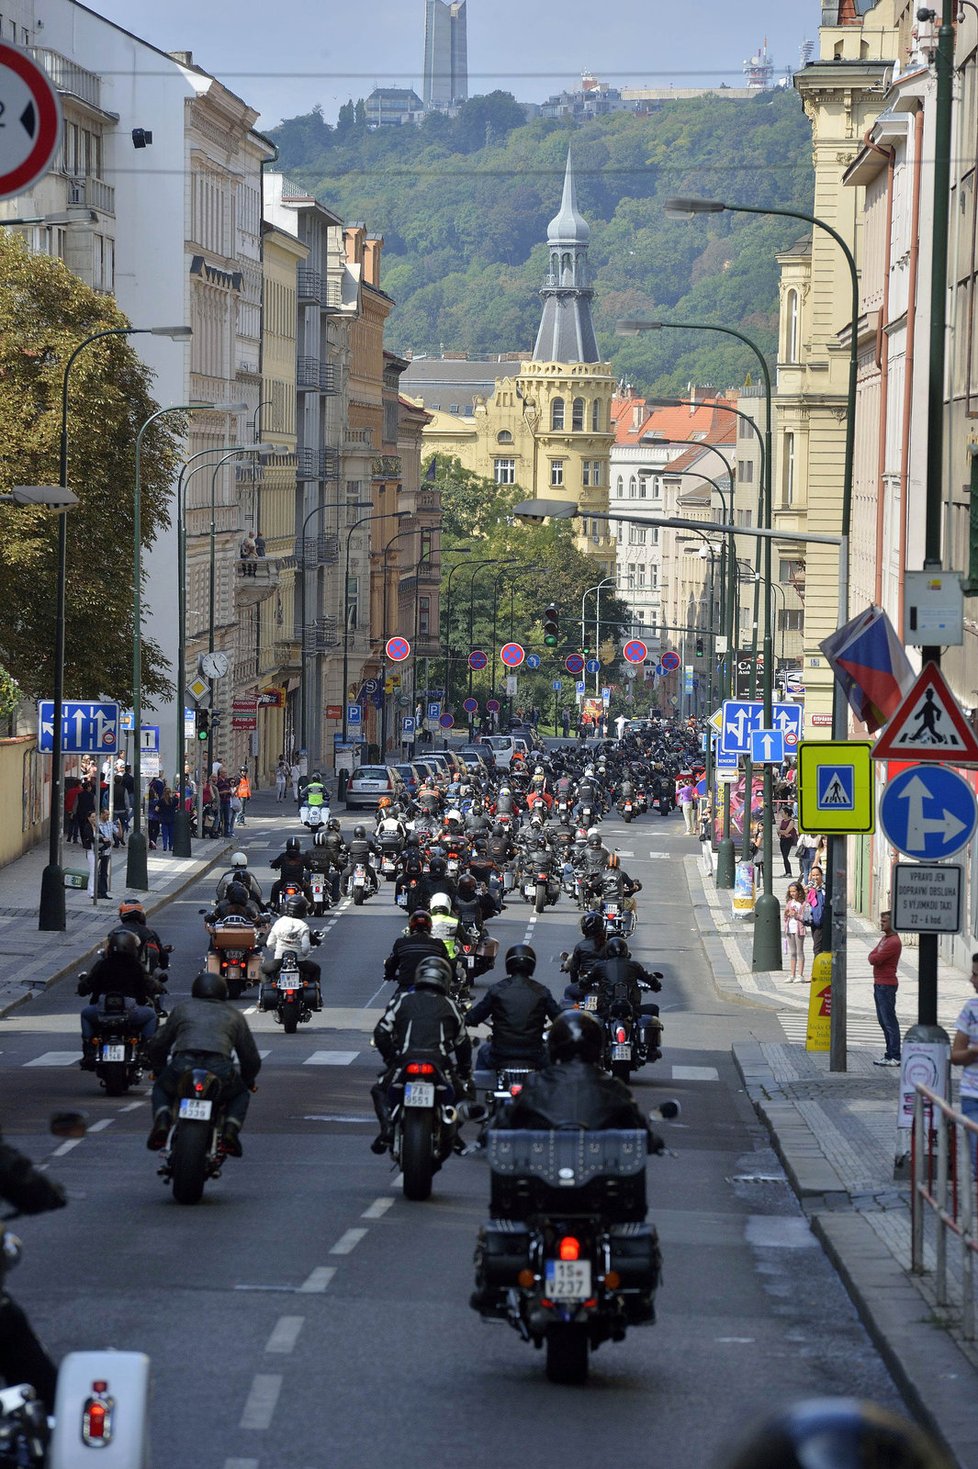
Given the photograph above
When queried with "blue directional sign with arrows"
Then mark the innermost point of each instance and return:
(928, 812)
(741, 717)
(767, 746)
(87, 728)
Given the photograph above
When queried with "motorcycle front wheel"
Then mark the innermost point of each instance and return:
(417, 1157)
(189, 1163)
(358, 896)
(541, 897)
(567, 1360)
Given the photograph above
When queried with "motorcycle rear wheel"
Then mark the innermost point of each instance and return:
(115, 1079)
(417, 1158)
(188, 1163)
(290, 1019)
(358, 896)
(235, 989)
(541, 898)
(621, 1070)
(567, 1354)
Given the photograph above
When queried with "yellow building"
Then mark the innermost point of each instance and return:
(548, 428)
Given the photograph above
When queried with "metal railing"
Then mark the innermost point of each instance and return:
(68, 76)
(309, 284)
(92, 192)
(944, 1182)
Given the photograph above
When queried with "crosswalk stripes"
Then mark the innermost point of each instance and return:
(331, 1058)
(318, 1058)
(55, 1058)
(860, 1029)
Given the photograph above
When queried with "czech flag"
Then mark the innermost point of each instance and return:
(870, 663)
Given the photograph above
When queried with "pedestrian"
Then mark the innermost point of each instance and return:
(787, 835)
(816, 908)
(223, 788)
(167, 809)
(84, 811)
(295, 770)
(104, 830)
(794, 921)
(153, 810)
(620, 722)
(249, 555)
(259, 543)
(72, 787)
(242, 792)
(757, 850)
(565, 719)
(805, 847)
(687, 798)
(964, 1053)
(281, 778)
(884, 959)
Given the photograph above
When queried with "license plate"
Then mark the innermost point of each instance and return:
(568, 1280)
(195, 1111)
(419, 1094)
(402, 900)
(530, 889)
(113, 1053)
(234, 953)
(621, 1053)
(388, 864)
(590, 1002)
(470, 961)
(611, 911)
(290, 982)
(359, 880)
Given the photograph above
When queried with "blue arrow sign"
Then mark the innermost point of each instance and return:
(533, 660)
(86, 728)
(592, 665)
(767, 746)
(928, 812)
(557, 685)
(740, 717)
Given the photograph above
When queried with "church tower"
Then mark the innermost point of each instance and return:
(566, 331)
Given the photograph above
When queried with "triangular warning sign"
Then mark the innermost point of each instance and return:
(929, 725)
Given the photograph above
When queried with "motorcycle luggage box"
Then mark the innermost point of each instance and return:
(503, 1251)
(635, 1255)
(125, 1444)
(235, 936)
(567, 1172)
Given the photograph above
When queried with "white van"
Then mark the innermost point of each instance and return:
(503, 750)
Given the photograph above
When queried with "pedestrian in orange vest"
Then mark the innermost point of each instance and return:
(243, 792)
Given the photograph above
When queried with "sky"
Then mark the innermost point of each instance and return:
(286, 56)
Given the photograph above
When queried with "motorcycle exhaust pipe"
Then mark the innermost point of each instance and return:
(473, 1111)
(449, 1115)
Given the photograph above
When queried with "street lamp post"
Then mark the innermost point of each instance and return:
(452, 551)
(767, 911)
(301, 540)
(364, 519)
(475, 568)
(383, 640)
(596, 589)
(51, 910)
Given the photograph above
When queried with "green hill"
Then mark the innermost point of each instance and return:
(463, 206)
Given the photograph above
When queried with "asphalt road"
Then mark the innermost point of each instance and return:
(305, 1314)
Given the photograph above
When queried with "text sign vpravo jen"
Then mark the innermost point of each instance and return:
(926, 897)
(86, 728)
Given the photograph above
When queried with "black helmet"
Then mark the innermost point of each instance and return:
(316, 776)
(433, 973)
(520, 959)
(209, 987)
(332, 824)
(359, 833)
(420, 922)
(412, 839)
(592, 926)
(237, 893)
(616, 948)
(843, 1432)
(467, 886)
(293, 844)
(296, 907)
(437, 867)
(594, 838)
(575, 1035)
(124, 942)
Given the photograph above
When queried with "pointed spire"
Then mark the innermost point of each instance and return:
(569, 226)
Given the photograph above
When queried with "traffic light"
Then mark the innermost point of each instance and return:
(203, 724)
(551, 634)
(699, 647)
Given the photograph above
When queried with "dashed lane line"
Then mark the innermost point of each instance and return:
(348, 1242)
(66, 1147)
(54, 1058)
(132, 1106)
(285, 1334)
(101, 1125)
(377, 1209)
(317, 1281)
(240, 1464)
(260, 1403)
(331, 1058)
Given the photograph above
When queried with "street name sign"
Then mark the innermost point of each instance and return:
(928, 812)
(835, 787)
(86, 728)
(926, 898)
(929, 725)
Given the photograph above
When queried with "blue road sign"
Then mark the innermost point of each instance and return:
(407, 725)
(928, 812)
(557, 685)
(835, 787)
(86, 728)
(353, 714)
(592, 665)
(580, 686)
(434, 710)
(149, 737)
(533, 660)
(767, 746)
(725, 761)
(740, 717)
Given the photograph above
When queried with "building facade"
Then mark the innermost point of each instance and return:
(446, 67)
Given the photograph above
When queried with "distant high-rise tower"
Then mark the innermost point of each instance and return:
(566, 331)
(446, 68)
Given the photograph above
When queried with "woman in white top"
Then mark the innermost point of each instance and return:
(794, 922)
(964, 1053)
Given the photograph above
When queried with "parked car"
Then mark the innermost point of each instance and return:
(476, 759)
(368, 783)
(411, 776)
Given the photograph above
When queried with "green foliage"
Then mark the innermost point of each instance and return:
(10, 694)
(45, 312)
(463, 205)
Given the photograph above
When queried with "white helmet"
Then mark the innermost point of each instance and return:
(239, 860)
(589, 770)
(440, 903)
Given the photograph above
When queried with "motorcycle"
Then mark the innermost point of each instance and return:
(425, 1119)
(322, 897)
(361, 883)
(117, 1057)
(567, 1259)
(389, 862)
(194, 1150)
(293, 997)
(619, 921)
(541, 887)
(314, 818)
(475, 951)
(627, 809)
(234, 953)
(287, 892)
(627, 1044)
(501, 1085)
(641, 801)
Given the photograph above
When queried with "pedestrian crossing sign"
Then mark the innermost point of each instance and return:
(835, 787)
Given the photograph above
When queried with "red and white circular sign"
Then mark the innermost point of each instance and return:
(30, 110)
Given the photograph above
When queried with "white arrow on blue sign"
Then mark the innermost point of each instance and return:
(928, 812)
(592, 665)
(766, 746)
(557, 685)
(740, 717)
(86, 728)
(533, 660)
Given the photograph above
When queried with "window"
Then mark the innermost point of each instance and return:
(656, 488)
(745, 471)
(636, 535)
(592, 472)
(620, 487)
(577, 415)
(744, 517)
(788, 470)
(655, 535)
(352, 598)
(744, 430)
(654, 577)
(556, 471)
(504, 436)
(424, 615)
(790, 619)
(643, 486)
(505, 471)
(632, 487)
(641, 574)
(791, 327)
(789, 570)
(596, 416)
(556, 416)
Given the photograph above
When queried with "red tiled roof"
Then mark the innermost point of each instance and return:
(715, 424)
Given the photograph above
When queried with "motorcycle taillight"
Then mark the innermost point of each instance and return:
(419, 1068)
(620, 1035)
(569, 1248)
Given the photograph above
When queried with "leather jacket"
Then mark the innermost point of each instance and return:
(206, 1025)
(517, 1008)
(120, 975)
(607, 974)
(406, 955)
(573, 1094)
(290, 866)
(423, 1020)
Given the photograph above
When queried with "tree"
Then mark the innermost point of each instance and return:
(45, 312)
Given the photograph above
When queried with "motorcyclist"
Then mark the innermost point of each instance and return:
(315, 791)
(572, 1090)
(426, 1020)
(617, 886)
(360, 850)
(430, 884)
(391, 833)
(472, 906)
(836, 1431)
(239, 873)
(291, 868)
(444, 924)
(117, 971)
(500, 846)
(411, 866)
(616, 967)
(505, 801)
(330, 854)
(204, 1031)
(236, 903)
(586, 953)
(22, 1358)
(415, 944)
(291, 934)
(153, 953)
(517, 1008)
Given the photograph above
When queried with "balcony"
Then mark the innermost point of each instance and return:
(68, 77)
(92, 193)
(321, 636)
(285, 652)
(257, 578)
(309, 285)
(307, 464)
(321, 550)
(312, 375)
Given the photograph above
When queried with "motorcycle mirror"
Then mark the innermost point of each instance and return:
(665, 1112)
(564, 954)
(68, 1124)
(658, 974)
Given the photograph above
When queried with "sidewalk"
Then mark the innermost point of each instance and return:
(837, 1137)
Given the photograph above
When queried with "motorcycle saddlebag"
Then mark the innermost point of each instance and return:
(503, 1251)
(635, 1255)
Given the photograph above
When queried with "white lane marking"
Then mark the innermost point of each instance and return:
(377, 1209)
(250, 1010)
(239, 1463)
(54, 1058)
(736, 1340)
(131, 1106)
(102, 1124)
(782, 1232)
(348, 1242)
(264, 1054)
(664, 855)
(285, 1334)
(331, 1058)
(622, 853)
(72, 1142)
(260, 1404)
(334, 1117)
(317, 1281)
(695, 1073)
